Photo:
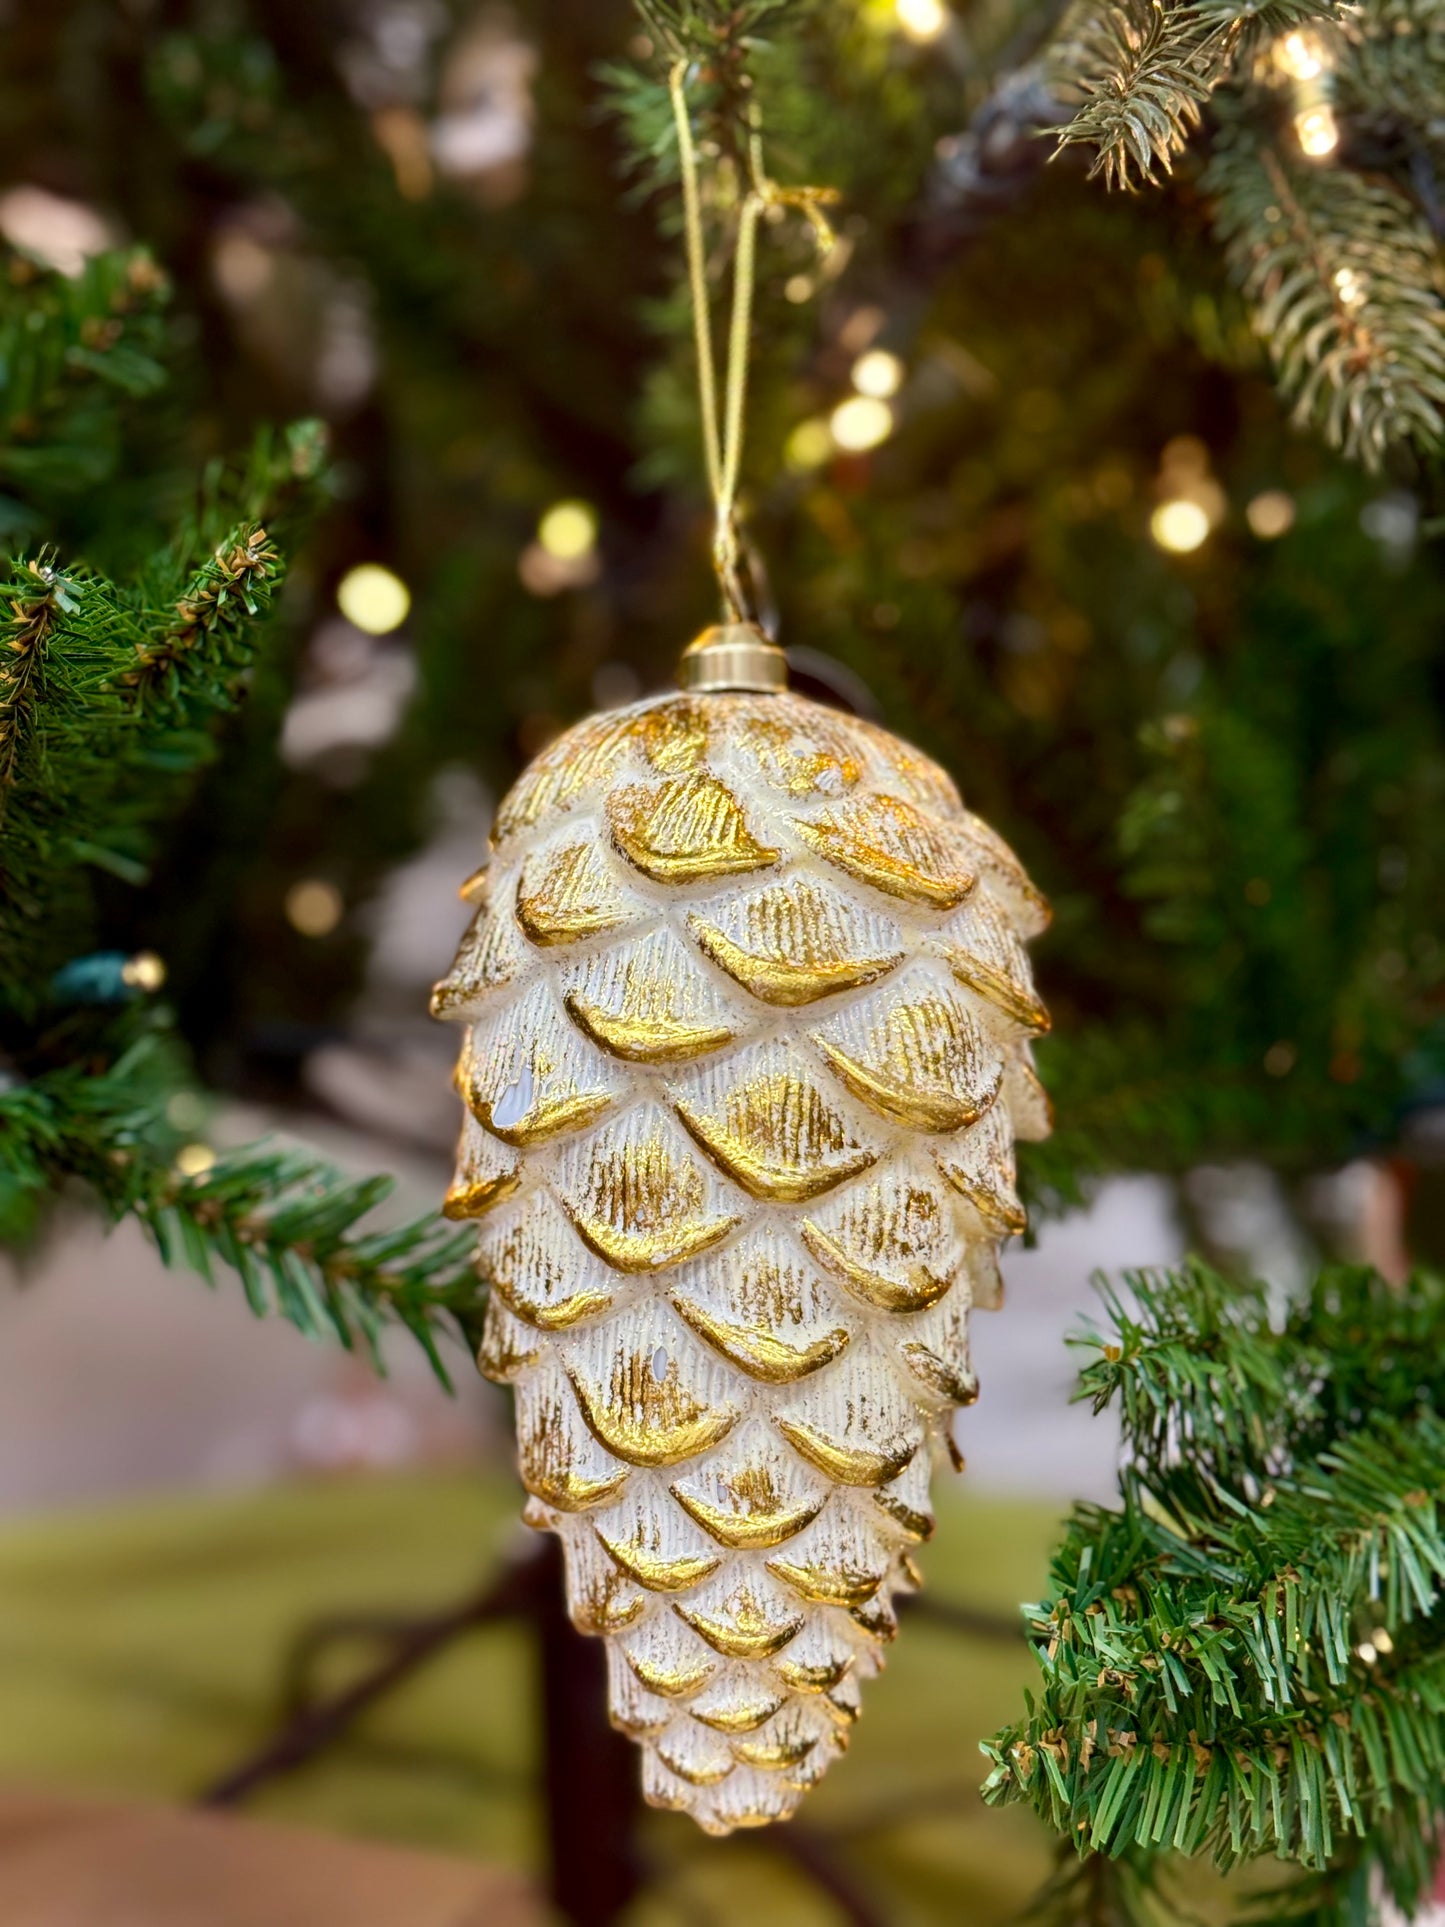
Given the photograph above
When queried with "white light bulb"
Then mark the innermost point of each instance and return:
(1300, 56)
(860, 423)
(921, 19)
(1317, 131)
(568, 530)
(1179, 525)
(373, 598)
(878, 374)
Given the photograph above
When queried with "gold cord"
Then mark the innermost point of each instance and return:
(722, 442)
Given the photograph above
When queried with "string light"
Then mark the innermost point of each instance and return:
(193, 1160)
(568, 531)
(1350, 287)
(373, 599)
(921, 19)
(1179, 526)
(878, 374)
(144, 971)
(1300, 55)
(861, 423)
(1317, 130)
(314, 907)
(809, 445)
(1270, 514)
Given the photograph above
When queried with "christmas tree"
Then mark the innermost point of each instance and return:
(1110, 483)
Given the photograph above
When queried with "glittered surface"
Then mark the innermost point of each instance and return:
(748, 1019)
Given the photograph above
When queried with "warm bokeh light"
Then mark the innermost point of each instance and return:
(1179, 526)
(1300, 55)
(62, 232)
(568, 530)
(921, 19)
(314, 907)
(798, 288)
(144, 971)
(1316, 131)
(1270, 514)
(192, 1160)
(373, 598)
(860, 423)
(809, 445)
(1350, 287)
(878, 374)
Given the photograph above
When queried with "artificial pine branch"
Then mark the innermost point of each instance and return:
(1146, 69)
(37, 595)
(286, 1223)
(1344, 281)
(1389, 78)
(108, 697)
(210, 618)
(73, 351)
(1247, 1654)
(1145, 72)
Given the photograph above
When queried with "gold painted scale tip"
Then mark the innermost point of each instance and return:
(732, 656)
(731, 1285)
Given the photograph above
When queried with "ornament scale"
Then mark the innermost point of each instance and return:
(748, 1021)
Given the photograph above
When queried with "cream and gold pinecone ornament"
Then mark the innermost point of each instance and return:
(747, 1050)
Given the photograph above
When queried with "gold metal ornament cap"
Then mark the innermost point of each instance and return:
(732, 655)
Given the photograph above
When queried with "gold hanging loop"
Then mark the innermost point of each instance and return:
(722, 437)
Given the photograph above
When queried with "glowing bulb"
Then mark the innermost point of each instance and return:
(1300, 56)
(568, 531)
(798, 288)
(1316, 131)
(1349, 287)
(809, 445)
(192, 1160)
(144, 971)
(372, 598)
(1271, 514)
(1179, 526)
(861, 422)
(921, 19)
(878, 374)
(314, 907)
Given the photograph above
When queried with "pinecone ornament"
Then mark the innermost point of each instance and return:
(747, 1049)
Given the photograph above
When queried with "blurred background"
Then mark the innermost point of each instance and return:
(1022, 488)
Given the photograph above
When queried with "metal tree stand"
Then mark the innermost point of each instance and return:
(589, 1771)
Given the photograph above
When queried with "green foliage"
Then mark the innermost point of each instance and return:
(1145, 71)
(1244, 1656)
(1342, 275)
(73, 353)
(107, 697)
(1340, 266)
(289, 1226)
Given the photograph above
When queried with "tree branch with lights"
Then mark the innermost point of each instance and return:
(1241, 1657)
(110, 697)
(1323, 128)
